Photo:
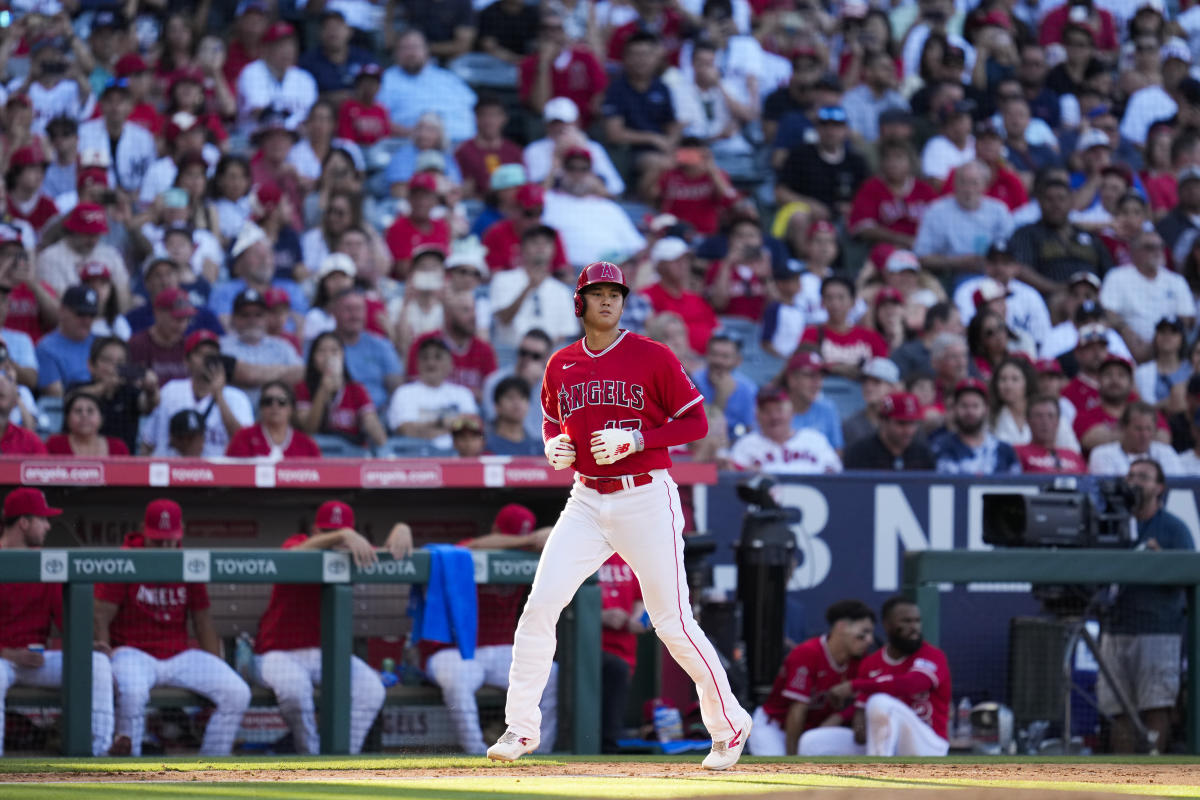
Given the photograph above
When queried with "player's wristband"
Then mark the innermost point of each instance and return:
(638, 441)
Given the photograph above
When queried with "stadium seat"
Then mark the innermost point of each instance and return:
(334, 446)
(49, 415)
(845, 394)
(406, 447)
(482, 70)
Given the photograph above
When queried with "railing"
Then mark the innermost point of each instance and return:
(80, 569)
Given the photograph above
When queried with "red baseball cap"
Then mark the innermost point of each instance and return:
(989, 290)
(176, 301)
(94, 269)
(888, 295)
(531, 195)
(970, 385)
(806, 359)
(1048, 366)
(97, 174)
(901, 406)
(334, 514)
(1113, 358)
(514, 520)
(187, 75)
(275, 297)
(278, 30)
(28, 502)
(130, 64)
(163, 520)
(265, 198)
(423, 182)
(821, 226)
(577, 152)
(87, 218)
(770, 394)
(198, 338)
(879, 255)
(28, 155)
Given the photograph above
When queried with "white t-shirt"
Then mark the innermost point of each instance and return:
(1027, 310)
(419, 402)
(1143, 301)
(1065, 336)
(60, 100)
(1189, 462)
(808, 452)
(1110, 459)
(162, 173)
(941, 155)
(592, 228)
(539, 157)
(257, 89)
(136, 151)
(1146, 106)
(177, 396)
(551, 307)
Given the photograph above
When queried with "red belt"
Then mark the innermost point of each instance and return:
(610, 485)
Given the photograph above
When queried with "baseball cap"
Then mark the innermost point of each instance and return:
(957, 108)
(429, 248)
(531, 196)
(508, 176)
(94, 157)
(107, 20)
(28, 502)
(896, 116)
(1090, 334)
(337, 262)
(130, 64)
(821, 226)
(1188, 174)
(989, 290)
(333, 514)
(94, 269)
(277, 31)
(880, 253)
(806, 359)
(560, 109)
(881, 369)
(248, 297)
(83, 300)
(87, 219)
(901, 260)
(577, 152)
(999, 251)
(275, 297)
(186, 423)
(199, 338)
(1173, 322)
(28, 155)
(466, 423)
(176, 301)
(1048, 366)
(115, 85)
(970, 385)
(888, 295)
(1175, 48)
(1093, 138)
(163, 520)
(1113, 358)
(430, 160)
(770, 394)
(186, 75)
(423, 182)
(513, 520)
(368, 70)
(901, 406)
(1083, 276)
(985, 128)
(247, 237)
(668, 248)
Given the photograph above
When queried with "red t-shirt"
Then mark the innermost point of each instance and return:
(1034, 458)
(1096, 415)
(1056, 22)
(477, 163)
(236, 58)
(693, 199)
(875, 205)
(853, 346)
(405, 236)
(696, 312)
(1006, 187)
(153, 617)
(747, 295)
(59, 444)
(504, 248)
(805, 675)
(293, 616)
(168, 363)
(1083, 393)
(471, 365)
(345, 411)
(42, 212)
(251, 442)
(26, 611)
(1162, 190)
(636, 384)
(18, 441)
(619, 588)
(361, 123)
(23, 312)
(1118, 248)
(581, 79)
(932, 704)
(263, 174)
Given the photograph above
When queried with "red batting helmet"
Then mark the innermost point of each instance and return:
(598, 272)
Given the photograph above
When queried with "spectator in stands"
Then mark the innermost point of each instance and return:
(63, 133)
(956, 230)
(802, 379)
(1042, 453)
(131, 145)
(123, 395)
(711, 108)
(724, 387)
(337, 274)
(969, 448)
(14, 439)
(252, 265)
(623, 618)
(334, 63)
(533, 351)
(449, 26)
(949, 360)
(420, 310)
(288, 644)
(637, 108)
(888, 207)
(1013, 388)
(1053, 249)
(507, 435)
(876, 94)
(1025, 149)
(914, 356)
(23, 182)
(893, 445)
(474, 359)
(329, 402)
(530, 297)
(249, 24)
(1097, 424)
(1025, 309)
(1145, 291)
(777, 447)
(1005, 184)
(1180, 219)
(62, 354)
(371, 359)
(146, 625)
(160, 347)
(672, 262)
(415, 85)
(954, 146)
(31, 304)
(161, 274)
(274, 84)
(58, 265)
(80, 436)
(591, 226)
(425, 408)
(224, 409)
(887, 317)
(1141, 633)
(1162, 101)
(989, 339)
(694, 189)
(795, 96)
(504, 240)
(1167, 368)
(1139, 437)
(109, 321)
(741, 283)
(479, 156)
(249, 343)
(468, 439)
(564, 132)
(419, 228)
(880, 377)
(273, 437)
(826, 174)
(561, 68)
(843, 347)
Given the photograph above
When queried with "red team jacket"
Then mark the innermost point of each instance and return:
(922, 681)
(619, 588)
(808, 672)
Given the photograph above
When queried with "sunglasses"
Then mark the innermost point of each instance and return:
(537, 355)
(274, 400)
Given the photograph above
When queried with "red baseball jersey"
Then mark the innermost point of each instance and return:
(404, 236)
(931, 705)
(806, 674)
(635, 383)
(293, 616)
(345, 410)
(1083, 393)
(619, 588)
(852, 346)
(875, 206)
(361, 123)
(695, 199)
(1034, 458)
(26, 611)
(472, 364)
(252, 442)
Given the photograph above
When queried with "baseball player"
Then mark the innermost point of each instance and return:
(26, 611)
(903, 693)
(613, 403)
(799, 699)
(498, 609)
(289, 634)
(147, 627)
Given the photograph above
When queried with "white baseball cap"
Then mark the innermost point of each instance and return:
(337, 262)
(1093, 138)
(883, 369)
(901, 260)
(562, 109)
(668, 248)
(247, 237)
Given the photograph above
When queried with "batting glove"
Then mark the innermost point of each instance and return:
(560, 452)
(612, 444)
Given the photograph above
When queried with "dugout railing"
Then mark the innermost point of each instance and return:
(80, 569)
(925, 571)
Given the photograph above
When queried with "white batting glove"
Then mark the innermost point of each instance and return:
(560, 452)
(612, 444)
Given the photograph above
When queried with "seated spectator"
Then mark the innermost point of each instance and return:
(425, 408)
(876, 94)
(957, 229)
(530, 297)
(505, 239)
(415, 84)
(843, 347)
(989, 340)
(893, 445)
(1053, 249)
(23, 180)
(252, 266)
(160, 274)
(123, 394)
(274, 84)
(62, 132)
(30, 306)
(14, 439)
(478, 158)
(109, 322)
(187, 435)
(533, 350)
(1097, 424)
(1083, 310)
(273, 437)
(82, 421)
(880, 378)
(802, 380)
(783, 322)
(420, 310)
(467, 436)
(710, 108)
(590, 225)
(248, 342)
(450, 28)
(672, 262)
(563, 68)
(1161, 101)
(1014, 386)
(1144, 292)
(1180, 219)
(1157, 379)
(777, 447)
(1042, 453)
(950, 362)
(969, 448)
(1131, 218)
(223, 409)
(328, 401)
(372, 359)
(159, 348)
(914, 356)
(1027, 151)
(1137, 438)
(954, 146)
(62, 355)
(361, 119)
(333, 62)
(887, 317)
(279, 317)
(336, 275)
(888, 206)
(1025, 310)
(473, 358)
(740, 283)
(637, 108)
(668, 328)
(419, 228)
(724, 387)
(507, 30)
(564, 132)
(507, 435)
(826, 174)
(58, 265)
(1005, 184)
(694, 189)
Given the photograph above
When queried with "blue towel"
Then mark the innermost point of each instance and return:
(445, 609)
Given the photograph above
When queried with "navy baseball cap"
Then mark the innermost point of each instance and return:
(186, 423)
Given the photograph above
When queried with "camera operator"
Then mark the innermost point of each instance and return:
(1142, 638)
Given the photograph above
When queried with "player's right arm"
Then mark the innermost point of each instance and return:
(794, 726)
(103, 613)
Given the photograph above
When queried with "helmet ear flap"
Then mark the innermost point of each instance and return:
(579, 305)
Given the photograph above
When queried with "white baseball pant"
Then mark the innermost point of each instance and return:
(837, 741)
(292, 674)
(49, 674)
(767, 738)
(460, 680)
(644, 524)
(136, 672)
(894, 729)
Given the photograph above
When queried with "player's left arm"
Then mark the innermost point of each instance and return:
(206, 632)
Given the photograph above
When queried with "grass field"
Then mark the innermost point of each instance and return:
(619, 778)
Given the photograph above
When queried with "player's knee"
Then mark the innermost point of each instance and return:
(369, 693)
(877, 707)
(234, 695)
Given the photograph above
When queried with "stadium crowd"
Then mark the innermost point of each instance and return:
(952, 236)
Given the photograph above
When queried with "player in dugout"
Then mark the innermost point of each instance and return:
(288, 646)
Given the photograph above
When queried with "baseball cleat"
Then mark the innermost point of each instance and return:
(510, 747)
(725, 754)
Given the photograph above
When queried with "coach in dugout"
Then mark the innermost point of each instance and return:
(147, 627)
(26, 611)
(1142, 630)
(289, 634)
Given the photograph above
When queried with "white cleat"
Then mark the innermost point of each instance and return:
(725, 754)
(510, 747)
